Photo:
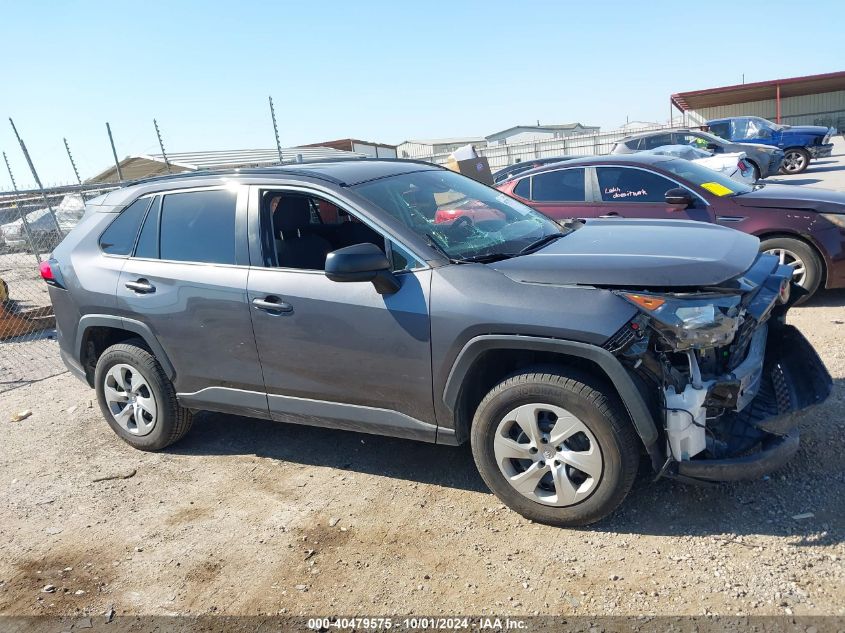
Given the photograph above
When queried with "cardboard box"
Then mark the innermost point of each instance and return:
(475, 168)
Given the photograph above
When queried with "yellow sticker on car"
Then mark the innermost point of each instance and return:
(716, 188)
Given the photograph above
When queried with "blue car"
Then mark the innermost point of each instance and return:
(800, 143)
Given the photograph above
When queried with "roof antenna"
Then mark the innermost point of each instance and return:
(276, 130)
(114, 153)
(72, 164)
(161, 145)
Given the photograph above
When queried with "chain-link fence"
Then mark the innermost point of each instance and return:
(32, 223)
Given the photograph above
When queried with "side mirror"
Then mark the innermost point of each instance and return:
(362, 262)
(679, 197)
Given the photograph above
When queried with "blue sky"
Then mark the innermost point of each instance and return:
(382, 71)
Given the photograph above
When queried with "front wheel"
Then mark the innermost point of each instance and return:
(137, 399)
(806, 264)
(557, 447)
(795, 160)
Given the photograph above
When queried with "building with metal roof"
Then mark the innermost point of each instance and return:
(369, 148)
(420, 148)
(528, 133)
(809, 100)
(146, 165)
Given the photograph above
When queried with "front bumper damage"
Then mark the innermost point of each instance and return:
(790, 378)
(726, 392)
(821, 151)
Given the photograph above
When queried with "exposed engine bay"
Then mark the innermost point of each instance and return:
(724, 372)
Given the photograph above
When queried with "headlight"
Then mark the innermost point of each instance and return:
(835, 218)
(697, 322)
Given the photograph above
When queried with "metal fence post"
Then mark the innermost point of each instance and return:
(24, 222)
(114, 153)
(37, 179)
(72, 164)
(161, 145)
(276, 130)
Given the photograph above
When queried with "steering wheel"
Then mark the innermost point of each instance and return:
(461, 221)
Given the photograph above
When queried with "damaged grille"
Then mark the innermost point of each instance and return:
(739, 349)
(632, 331)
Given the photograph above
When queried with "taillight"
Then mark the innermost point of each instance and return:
(51, 273)
(742, 166)
(46, 271)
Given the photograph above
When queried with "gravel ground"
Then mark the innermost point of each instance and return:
(251, 517)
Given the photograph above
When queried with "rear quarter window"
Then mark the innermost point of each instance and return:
(119, 237)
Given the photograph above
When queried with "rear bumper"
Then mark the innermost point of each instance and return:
(793, 380)
(821, 151)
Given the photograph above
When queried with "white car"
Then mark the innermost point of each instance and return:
(732, 165)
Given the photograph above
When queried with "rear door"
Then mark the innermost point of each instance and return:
(559, 194)
(635, 192)
(186, 281)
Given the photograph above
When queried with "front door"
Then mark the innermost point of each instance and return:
(632, 192)
(339, 354)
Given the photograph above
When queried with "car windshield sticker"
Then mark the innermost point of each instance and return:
(616, 192)
(510, 202)
(717, 189)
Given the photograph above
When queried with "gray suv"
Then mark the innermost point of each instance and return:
(399, 298)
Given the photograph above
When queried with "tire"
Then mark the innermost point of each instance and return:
(611, 451)
(790, 251)
(127, 373)
(795, 161)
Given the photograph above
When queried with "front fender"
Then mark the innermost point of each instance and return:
(632, 399)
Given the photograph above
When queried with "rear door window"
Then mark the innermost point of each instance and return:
(119, 238)
(523, 189)
(562, 185)
(198, 226)
(624, 184)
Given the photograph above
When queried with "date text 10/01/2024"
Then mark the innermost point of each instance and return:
(418, 624)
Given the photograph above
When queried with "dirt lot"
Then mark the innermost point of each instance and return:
(250, 517)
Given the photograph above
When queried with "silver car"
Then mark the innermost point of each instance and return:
(765, 159)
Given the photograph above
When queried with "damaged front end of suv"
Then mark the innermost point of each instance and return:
(723, 372)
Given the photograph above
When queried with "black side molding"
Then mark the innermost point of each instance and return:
(609, 364)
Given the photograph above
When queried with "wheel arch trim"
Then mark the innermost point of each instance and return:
(130, 325)
(641, 417)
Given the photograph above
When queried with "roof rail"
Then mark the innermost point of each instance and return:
(289, 168)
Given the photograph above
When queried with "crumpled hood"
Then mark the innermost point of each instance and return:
(792, 197)
(638, 254)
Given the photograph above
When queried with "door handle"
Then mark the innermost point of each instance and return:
(141, 286)
(612, 214)
(272, 304)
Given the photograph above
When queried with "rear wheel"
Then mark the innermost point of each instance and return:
(555, 447)
(795, 160)
(805, 262)
(137, 399)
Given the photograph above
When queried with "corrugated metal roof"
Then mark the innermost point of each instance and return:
(448, 141)
(759, 91)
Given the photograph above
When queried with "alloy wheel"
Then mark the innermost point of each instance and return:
(130, 400)
(794, 162)
(548, 455)
(787, 257)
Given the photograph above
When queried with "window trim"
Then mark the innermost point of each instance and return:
(117, 214)
(587, 187)
(259, 259)
(597, 188)
(241, 248)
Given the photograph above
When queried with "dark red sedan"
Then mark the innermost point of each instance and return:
(804, 226)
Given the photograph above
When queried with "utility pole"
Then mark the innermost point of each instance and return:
(161, 145)
(114, 153)
(21, 213)
(276, 130)
(37, 179)
(72, 164)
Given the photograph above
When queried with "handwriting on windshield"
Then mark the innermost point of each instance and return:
(616, 192)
